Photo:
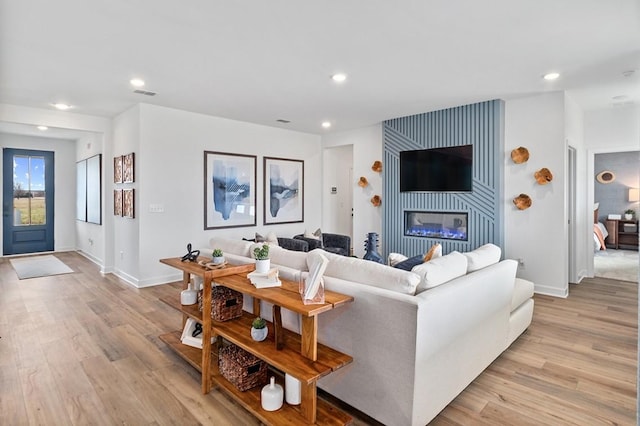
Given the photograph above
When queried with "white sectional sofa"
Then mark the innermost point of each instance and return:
(417, 338)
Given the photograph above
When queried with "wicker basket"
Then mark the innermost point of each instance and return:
(241, 368)
(226, 304)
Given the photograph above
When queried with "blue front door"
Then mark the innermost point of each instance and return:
(27, 204)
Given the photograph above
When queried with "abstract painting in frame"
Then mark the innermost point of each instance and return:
(283, 190)
(229, 190)
(117, 202)
(117, 169)
(128, 203)
(128, 168)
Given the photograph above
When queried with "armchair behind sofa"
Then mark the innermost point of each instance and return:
(333, 243)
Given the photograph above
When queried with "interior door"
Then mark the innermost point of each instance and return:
(28, 201)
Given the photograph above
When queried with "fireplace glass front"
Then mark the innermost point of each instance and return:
(443, 225)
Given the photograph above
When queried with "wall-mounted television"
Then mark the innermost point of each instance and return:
(447, 169)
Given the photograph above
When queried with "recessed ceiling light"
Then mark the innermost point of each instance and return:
(326, 124)
(136, 82)
(339, 77)
(551, 76)
(43, 128)
(620, 98)
(61, 106)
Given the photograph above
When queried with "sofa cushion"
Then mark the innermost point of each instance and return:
(229, 245)
(522, 291)
(290, 259)
(482, 257)
(367, 272)
(440, 270)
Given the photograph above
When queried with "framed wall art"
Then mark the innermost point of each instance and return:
(229, 190)
(128, 163)
(117, 202)
(128, 203)
(283, 190)
(117, 169)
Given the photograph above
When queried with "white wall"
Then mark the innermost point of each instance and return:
(169, 172)
(64, 177)
(367, 148)
(537, 235)
(574, 134)
(126, 231)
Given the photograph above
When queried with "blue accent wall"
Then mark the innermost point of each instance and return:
(481, 125)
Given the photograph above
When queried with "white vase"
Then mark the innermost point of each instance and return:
(218, 260)
(271, 396)
(259, 334)
(291, 390)
(262, 266)
(628, 216)
(189, 296)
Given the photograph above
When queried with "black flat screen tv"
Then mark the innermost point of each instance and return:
(437, 169)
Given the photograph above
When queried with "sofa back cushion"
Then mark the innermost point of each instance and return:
(482, 257)
(367, 272)
(289, 258)
(440, 270)
(229, 245)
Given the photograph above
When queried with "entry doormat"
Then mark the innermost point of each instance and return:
(39, 266)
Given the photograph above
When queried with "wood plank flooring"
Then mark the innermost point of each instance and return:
(82, 349)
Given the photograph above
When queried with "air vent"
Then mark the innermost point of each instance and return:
(144, 92)
(280, 120)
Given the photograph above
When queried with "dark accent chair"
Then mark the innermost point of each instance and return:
(333, 243)
(293, 244)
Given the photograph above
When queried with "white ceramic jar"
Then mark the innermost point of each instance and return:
(189, 296)
(272, 396)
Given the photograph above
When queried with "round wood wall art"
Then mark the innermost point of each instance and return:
(522, 202)
(376, 200)
(543, 176)
(605, 177)
(377, 166)
(363, 181)
(520, 155)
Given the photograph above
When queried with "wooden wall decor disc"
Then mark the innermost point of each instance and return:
(377, 166)
(543, 176)
(522, 202)
(520, 155)
(363, 181)
(376, 200)
(605, 177)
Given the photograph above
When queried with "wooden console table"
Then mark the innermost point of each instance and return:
(299, 355)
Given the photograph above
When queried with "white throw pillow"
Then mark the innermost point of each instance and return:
(395, 258)
(315, 235)
(289, 258)
(440, 270)
(482, 257)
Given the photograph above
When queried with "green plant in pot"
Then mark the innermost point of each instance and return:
(262, 258)
(628, 214)
(218, 256)
(259, 329)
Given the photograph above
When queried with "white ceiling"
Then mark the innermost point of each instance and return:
(260, 61)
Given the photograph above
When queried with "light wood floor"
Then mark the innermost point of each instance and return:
(82, 349)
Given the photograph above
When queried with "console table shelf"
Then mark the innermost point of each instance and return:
(618, 236)
(299, 355)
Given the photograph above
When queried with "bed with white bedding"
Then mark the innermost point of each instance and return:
(599, 232)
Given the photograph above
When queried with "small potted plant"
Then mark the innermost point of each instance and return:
(218, 256)
(262, 258)
(259, 329)
(628, 214)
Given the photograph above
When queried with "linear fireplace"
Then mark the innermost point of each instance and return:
(443, 225)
